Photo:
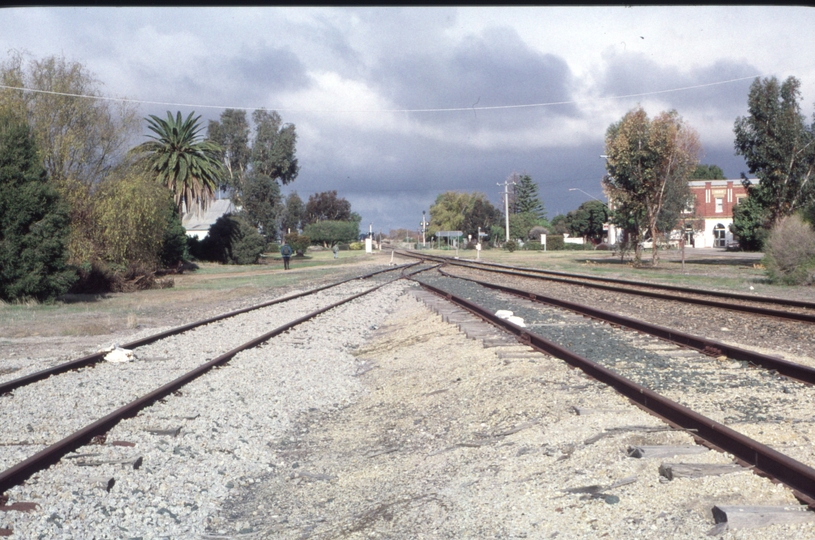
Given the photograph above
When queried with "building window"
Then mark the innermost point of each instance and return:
(740, 198)
(719, 205)
(719, 235)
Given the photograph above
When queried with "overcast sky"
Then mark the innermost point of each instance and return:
(393, 106)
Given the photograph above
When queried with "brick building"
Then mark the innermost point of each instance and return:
(709, 225)
(715, 200)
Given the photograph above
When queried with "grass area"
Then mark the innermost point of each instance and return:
(210, 284)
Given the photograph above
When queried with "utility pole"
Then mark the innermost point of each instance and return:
(506, 185)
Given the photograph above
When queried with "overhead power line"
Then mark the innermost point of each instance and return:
(428, 110)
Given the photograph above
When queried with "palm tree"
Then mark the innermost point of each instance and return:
(184, 162)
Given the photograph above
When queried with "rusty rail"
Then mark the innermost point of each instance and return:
(524, 272)
(796, 475)
(91, 359)
(707, 346)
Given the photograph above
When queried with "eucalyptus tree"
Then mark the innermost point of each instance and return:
(649, 163)
(231, 133)
(779, 149)
(273, 150)
(182, 160)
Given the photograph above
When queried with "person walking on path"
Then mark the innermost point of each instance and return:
(286, 251)
(336, 250)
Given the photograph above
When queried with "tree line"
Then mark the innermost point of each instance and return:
(649, 163)
(83, 208)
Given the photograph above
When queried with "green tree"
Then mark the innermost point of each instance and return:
(262, 204)
(293, 213)
(298, 242)
(465, 212)
(231, 134)
(778, 147)
(588, 220)
(326, 206)
(182, 161)
(34, 222)
(559, 224)
(232, 240)
(525, 197)
(521, 224)
(479, 212)
(80, 139)
(329, 232)
(707, 172)
(750, 224)
(273, 151)
(649, 163)
(134, 216)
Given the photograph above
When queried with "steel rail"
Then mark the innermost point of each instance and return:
(767, 312)
(91, 359)
(796, 475)
(706, 346)
(48, 456)
(676, 288)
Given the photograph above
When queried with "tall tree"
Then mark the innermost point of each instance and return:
(273, 150)
(649, 163)
(779, 148)
(526, 199)
(262, 204)
(326, 206)
(182, 160)
(33, 221)
(480, 212)
(293, 213)
(231, 133)
(80, 139)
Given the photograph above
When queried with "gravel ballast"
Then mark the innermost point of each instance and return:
(379, 420)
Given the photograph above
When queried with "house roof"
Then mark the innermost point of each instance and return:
(193, 221)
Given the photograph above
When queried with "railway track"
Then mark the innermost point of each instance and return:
(269, 405)
(110, 385)
(679, 375)
(11, 384)
(785, 309)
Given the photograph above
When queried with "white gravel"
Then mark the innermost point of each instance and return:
(226, 419)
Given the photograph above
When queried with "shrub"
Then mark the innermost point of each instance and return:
(356, 246)
(511, 246)
(554, 242)
(533, 246)
(298, 242)
(136, 221)
(790, 252)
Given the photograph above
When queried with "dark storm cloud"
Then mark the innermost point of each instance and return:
(638, 74)
(495, 68)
